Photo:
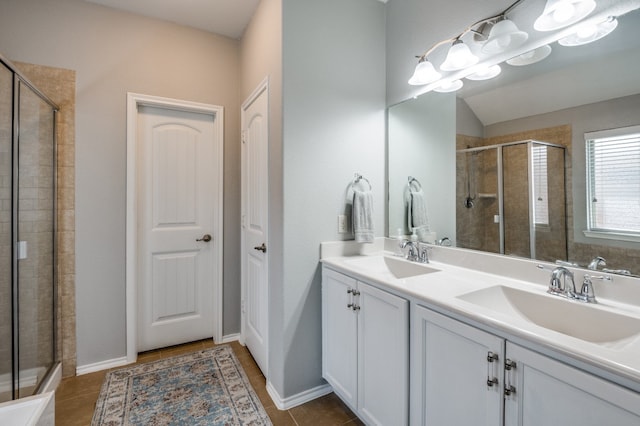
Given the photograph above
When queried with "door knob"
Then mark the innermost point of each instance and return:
(206, 238)
(262, 248)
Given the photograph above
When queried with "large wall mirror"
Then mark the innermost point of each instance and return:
(483, 152)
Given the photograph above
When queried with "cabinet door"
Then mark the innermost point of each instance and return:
(383, 357)
(548, 392)
(449, 372)
(339, 335)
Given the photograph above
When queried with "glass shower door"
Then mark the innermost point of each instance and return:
(6, 170)
(477, 203)
(35, 236)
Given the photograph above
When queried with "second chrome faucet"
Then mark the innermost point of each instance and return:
(562, 284)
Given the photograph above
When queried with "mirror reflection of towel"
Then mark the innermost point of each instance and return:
(362, 216)
(418, 211)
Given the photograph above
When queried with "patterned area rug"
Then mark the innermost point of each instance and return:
(207, 387)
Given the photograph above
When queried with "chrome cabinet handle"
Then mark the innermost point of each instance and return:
(491, 358)
(206, 238)
(509, 366)
(262, 248)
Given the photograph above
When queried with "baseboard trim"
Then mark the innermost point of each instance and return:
(102, 365)
(230, 338)
(298, 399)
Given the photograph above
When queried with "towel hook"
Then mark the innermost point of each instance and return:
(357, 177)
(411, 180)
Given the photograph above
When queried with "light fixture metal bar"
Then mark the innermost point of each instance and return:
(470, 28)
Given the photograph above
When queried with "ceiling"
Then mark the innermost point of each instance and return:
(225, 17)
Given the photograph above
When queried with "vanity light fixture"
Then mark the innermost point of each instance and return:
(589, 33)
(485, 72)
(424, 73)
(504, 35)
(530, 57)
(459, 57)
(562, 13)
(449, 86)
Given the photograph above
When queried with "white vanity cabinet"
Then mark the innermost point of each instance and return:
(550, 392)
(451, 364)
(365, 348)
(461, 375)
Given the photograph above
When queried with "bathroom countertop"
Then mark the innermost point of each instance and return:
(618, 361)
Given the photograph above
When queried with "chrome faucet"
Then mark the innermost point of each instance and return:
(412, 253)
(558, 284)
(416, 252)
(595, 262)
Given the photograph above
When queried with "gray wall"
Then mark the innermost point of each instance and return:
(334, 126)
(422, 134)
(621, 112)
(466, 121)
(113, 53)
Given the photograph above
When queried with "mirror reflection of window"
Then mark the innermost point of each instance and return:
(540, 186)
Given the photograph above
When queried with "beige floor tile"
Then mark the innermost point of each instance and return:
(80, 385)
(76, 411)
(280, 417)
(326, 411)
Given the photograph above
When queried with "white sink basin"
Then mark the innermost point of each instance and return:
(571, 318)
(390, 266)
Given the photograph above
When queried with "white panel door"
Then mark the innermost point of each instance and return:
(177, 197)
(255, 186)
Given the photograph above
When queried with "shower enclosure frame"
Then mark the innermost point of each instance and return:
(19, 83)
(500, 184)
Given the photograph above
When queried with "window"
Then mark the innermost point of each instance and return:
(613, 181)
(540, 186)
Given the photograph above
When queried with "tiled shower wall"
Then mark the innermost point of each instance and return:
(617, 258)
(59, 85)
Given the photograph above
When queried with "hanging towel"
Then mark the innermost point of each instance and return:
(418, 211)
(362, 216)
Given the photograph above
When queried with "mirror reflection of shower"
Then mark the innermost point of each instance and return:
(470, 173)
(514, 199)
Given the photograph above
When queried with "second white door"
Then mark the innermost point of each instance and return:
(177, 218)
(255, 138)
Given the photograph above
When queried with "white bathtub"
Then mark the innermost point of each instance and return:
(37, 410)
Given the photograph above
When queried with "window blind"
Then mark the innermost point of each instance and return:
(613, 183)
(540, 185)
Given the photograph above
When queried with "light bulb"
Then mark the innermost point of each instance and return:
(484, 72)
(424, 73)
(563, 12)
(458, 57)
(528, 55)
(449, 86)
(587, 31)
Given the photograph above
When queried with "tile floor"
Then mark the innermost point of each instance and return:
(76, 396)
